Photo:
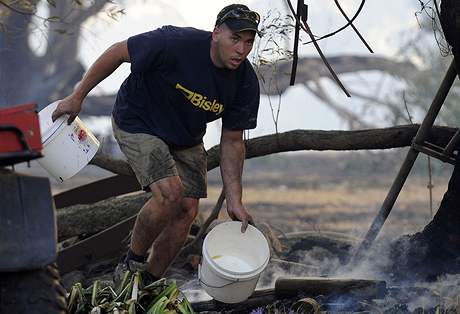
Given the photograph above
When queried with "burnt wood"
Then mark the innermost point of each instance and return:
(311, 286)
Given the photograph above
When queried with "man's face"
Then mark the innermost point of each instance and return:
(231, 48)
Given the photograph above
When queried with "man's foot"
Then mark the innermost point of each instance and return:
(125, 266)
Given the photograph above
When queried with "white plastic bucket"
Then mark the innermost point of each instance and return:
(232, 261)
(66, 148)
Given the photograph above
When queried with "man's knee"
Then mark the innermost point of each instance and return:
(168, 191)
(189, 209)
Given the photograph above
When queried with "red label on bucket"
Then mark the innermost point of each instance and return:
(82, 135)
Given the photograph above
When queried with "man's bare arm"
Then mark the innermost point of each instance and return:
(232, 155)
(108, 62)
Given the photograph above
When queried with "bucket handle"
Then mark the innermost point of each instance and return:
(208, 285)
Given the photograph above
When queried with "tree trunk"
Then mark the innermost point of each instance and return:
(434, 251)
(26, 76)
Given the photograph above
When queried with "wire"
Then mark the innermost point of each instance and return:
(343, 27)
(334, 75)
(354, 28)
(306, 28)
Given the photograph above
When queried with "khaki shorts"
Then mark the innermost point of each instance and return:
(152, 159)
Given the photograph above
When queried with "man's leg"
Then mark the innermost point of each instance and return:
(156, 213)
(155, 168)
(172, 237)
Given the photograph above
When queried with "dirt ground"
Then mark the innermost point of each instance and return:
(331, 195)
(319, 191)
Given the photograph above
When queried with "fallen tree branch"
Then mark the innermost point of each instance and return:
(297, 140)
(87, 219)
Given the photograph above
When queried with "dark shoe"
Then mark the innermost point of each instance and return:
(130, 267)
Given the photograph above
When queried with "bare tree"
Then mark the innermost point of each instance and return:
(29, 76)
(26, 75)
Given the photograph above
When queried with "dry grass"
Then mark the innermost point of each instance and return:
(343, 207)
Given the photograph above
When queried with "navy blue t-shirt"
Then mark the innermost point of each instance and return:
(174, 89)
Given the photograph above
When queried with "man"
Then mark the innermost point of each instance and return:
(181, 78)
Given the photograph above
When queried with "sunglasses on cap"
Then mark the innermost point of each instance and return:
(240, 14)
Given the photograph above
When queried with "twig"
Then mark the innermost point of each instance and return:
(17, 10)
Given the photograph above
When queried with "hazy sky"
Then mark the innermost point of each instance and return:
(380, 22)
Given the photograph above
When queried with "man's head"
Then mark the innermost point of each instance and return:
(233, 35)
(239, 18)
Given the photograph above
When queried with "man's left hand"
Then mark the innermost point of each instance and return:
(240, 213)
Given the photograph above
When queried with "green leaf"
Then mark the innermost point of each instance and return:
(60, 31)
(135, 289)
(165, 293)
(124, 282)
(94, 292)
(51, 3)
(53, 19)
(157, 284)
(132, 308)
(159, 306)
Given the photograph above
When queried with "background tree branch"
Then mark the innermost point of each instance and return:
(384, 138)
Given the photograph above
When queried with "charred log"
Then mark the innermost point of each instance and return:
(435, 250)
(88, 219)
(364, 289)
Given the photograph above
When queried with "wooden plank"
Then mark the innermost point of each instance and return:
(97, 191)
(107, 243)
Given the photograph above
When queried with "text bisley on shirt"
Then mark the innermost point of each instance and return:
(201, 101)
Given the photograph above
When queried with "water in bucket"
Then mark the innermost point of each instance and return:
(232, 261)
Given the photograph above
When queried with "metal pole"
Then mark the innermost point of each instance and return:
(436, 105)
(408, 163)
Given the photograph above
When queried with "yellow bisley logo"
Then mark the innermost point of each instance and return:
(201, 101)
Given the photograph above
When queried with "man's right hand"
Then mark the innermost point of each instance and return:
(69, 105)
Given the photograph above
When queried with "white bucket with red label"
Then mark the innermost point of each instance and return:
(66, 148)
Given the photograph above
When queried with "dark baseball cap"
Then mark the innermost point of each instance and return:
(239, 18)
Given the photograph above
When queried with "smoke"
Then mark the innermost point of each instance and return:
(444, 294)
(317, 261)
(193, 291)
(387, 260)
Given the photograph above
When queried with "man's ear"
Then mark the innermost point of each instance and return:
(215, 33)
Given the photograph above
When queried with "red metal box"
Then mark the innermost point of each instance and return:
(25, 118)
